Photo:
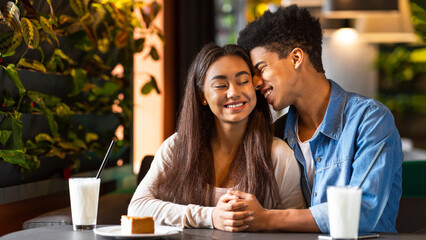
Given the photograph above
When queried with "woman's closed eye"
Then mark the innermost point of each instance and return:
(219, 86)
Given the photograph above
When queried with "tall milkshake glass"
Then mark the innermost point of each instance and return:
(84, 196)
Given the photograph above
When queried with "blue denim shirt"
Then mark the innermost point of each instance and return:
(350, 134)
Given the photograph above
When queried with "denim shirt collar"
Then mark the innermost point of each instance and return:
(332, 123)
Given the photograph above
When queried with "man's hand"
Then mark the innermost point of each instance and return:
(260, 218)
(230, 214)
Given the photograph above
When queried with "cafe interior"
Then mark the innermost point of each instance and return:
(116, 70)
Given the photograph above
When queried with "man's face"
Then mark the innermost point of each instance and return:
(274, 77)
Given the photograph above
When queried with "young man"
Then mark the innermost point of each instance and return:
(334, 134)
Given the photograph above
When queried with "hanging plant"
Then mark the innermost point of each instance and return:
(84, 42)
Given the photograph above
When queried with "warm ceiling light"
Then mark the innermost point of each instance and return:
(345, 36)
(357, 8)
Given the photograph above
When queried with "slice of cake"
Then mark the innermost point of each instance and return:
(131, 225)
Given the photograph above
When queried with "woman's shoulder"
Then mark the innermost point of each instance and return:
(281, 152)
(169, 142)
(280, 145)
(166, 149)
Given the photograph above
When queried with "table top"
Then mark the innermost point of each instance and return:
(66, 233)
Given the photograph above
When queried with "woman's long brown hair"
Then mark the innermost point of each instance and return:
(190, 177)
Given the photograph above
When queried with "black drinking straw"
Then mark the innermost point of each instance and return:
(105, 159)
(371, 164)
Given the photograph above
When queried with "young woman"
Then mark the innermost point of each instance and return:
(222, 142)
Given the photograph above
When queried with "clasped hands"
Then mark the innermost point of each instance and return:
(239, 211)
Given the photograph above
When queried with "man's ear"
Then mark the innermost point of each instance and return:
(297, 57)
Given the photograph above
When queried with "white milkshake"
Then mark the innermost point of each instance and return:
(84, 196)
(344, 205)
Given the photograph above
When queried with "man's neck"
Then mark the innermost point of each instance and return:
(312, 105)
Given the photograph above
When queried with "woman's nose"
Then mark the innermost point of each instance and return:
(257, 82)
(233, 92)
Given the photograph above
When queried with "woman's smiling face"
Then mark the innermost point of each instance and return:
(228, 89)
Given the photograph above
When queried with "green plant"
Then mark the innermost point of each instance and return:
(418, 16)
(86, 43)
(403, 71)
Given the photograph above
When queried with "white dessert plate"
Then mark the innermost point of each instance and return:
(115, 231)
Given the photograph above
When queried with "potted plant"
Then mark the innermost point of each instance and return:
(56, 62)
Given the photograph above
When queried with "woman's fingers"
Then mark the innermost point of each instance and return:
(231, 203)
(239, 194)
(237, 225)
(238, 215)
(236, 229)
(234, 206)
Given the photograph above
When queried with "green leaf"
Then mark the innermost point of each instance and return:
(9, 41)
(12, 14)
(30, 33)
(63, 111)
(90, 137)
(13, 124)
(103, 45)
(39, 100)
(160, 34)
(149, 86)
(149, 12)
(5, 41)
(52, 14)
(44, 137)
(162, 37)
(32, 64)
(47, 27)
(154, 54)
(13, 156)
(87, 18)
(4, 136)
(8, 101)
(78, 7)
(79, 144)
(36, 23)
(59, 53)
(79, 77)
(16, 41)
(139, 44)
(76, 145)
(54, 151)
(66, 19)
(13, 75)
(109, 88)
(31, 163)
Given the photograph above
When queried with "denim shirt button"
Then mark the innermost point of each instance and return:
(315, 194)
(318, 159)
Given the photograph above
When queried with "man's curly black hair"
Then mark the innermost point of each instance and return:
(282, 31)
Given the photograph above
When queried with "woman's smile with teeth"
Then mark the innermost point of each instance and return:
(267, 93)
(234, 105)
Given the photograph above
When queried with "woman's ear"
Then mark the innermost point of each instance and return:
(203, 99)
(297, 56)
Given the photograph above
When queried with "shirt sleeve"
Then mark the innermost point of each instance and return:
(287, 174)
(377, 127)
(143, 203)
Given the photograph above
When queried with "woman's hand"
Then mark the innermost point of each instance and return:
(230, 214)
(260, 218)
